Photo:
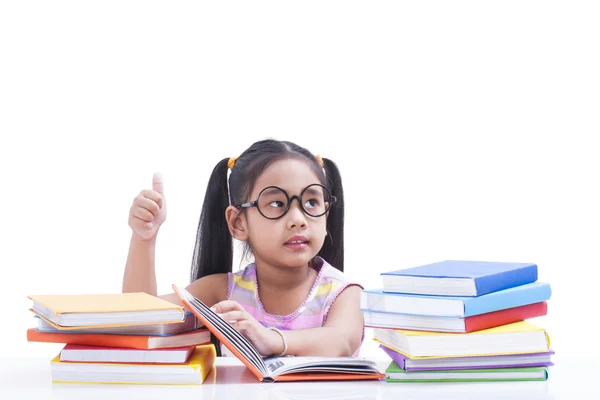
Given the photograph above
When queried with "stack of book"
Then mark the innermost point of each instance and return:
(127, 338)
(462, 321)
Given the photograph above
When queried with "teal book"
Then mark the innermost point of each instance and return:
(394, 374)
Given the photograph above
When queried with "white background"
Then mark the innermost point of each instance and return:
(463, 130)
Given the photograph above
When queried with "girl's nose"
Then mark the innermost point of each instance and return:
(296, 217)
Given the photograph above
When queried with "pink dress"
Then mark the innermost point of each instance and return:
(312, 313)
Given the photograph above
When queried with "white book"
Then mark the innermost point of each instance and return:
(192, 372)
(416, 322)
(98, 354)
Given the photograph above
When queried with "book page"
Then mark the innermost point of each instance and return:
(242, 344)
(281, 365)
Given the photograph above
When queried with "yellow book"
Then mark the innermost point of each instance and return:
(73, 311)
(521, 337)
(193, 372)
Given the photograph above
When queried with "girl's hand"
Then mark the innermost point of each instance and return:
(266, 341)
(149, 210)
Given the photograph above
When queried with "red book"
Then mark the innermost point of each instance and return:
(506, 316)
(199, 336)
(473, 323)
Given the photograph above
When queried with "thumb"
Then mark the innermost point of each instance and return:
(157, 183)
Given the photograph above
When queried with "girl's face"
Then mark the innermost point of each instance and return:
(294, 239)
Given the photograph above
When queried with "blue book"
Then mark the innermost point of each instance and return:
(459, 278)
(376, 300)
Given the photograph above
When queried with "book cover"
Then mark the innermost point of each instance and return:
(505, 317)
(97, 354)
(395, 374)
(454, 324)
(200, 336)
(81, 311)
(460, 277)
(189, 324)
(517, 338)
(454, 306)
(475, 362)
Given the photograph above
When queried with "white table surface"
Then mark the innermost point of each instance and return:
(29, 378)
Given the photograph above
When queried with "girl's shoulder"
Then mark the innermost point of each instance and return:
(331, 276)
(243, 280)
(331, 282)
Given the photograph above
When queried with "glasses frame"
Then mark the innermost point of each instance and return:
(254, 203)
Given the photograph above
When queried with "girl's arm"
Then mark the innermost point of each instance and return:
(140, 275)
(146, 215)
(340, 336)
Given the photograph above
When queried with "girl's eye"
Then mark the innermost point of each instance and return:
(277, 204)
(311, 203)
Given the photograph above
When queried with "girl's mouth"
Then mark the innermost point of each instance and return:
(297, 243)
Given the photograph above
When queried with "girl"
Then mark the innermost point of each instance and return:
(287, 206)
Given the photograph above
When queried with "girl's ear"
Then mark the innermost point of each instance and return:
(236, 221)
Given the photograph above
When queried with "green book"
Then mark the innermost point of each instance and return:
(394, 373)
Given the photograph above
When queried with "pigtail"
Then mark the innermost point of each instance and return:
(213, 252)
(333, 247)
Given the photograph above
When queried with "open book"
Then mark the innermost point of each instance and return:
(286, 368)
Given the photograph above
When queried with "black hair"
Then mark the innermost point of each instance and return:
(213, 251)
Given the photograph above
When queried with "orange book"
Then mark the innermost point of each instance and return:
(81, 311)
(272, 369)
(199, 336)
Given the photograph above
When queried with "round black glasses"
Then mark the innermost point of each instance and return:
(273, 202)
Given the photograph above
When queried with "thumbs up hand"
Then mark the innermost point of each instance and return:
(149, 210)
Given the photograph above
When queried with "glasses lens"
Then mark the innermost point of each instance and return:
(272, 202)
(316, 200)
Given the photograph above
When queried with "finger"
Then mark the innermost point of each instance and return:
(225, 306)
(242, 327)
(141, 224)
(143, 214)
(157, 183)
(234, 316)
(152, 195)
(148, 204)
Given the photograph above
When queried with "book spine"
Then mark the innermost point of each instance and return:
(505, 280)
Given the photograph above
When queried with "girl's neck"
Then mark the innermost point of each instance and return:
(281, 279)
